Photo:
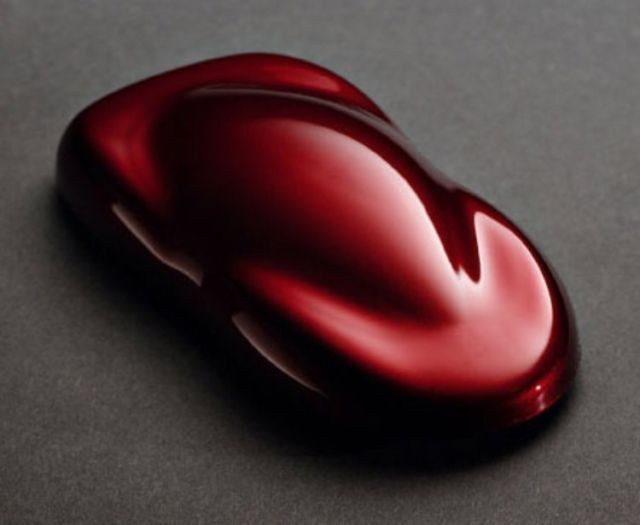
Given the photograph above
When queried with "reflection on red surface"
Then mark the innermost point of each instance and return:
(281, 201)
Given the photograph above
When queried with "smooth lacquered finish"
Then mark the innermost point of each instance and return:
(277, 200)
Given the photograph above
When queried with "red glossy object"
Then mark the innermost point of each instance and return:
(276, 198)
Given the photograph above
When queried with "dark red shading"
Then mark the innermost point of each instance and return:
(284, 207)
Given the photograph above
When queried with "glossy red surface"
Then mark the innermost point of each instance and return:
(279, 201)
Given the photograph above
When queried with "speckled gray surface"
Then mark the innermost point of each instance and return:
(107, 411)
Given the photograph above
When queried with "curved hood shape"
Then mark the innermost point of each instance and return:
(287, 208)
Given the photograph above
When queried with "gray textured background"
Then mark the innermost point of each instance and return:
(108, 412)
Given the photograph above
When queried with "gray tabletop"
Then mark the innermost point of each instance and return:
(111, 412)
